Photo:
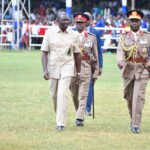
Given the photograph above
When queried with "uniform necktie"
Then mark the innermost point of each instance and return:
(80, 37)
(135, 36)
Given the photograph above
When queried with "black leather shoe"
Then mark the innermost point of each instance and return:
(79, 122)
(135, 130)
(60, 128)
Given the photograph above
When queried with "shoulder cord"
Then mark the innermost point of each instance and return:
(132, 48)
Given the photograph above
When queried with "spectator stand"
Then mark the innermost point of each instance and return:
(108, 19)
(6, 36)
(13, 14)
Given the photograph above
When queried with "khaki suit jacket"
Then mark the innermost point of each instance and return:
(60, 47)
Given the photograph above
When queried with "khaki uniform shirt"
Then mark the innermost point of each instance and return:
(132, 69)
(61, 47)
(88, 46)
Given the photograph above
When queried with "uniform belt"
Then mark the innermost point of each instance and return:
(85, 57)
(137, 59)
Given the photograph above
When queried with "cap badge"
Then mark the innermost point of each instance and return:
(134, 13)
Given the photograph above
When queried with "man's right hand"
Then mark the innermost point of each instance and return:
(46, 75)
(120, 65)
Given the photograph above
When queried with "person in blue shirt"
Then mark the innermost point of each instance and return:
(100, 22)
(144, 23)
(92, 30)
(20, 32)
(148, 29)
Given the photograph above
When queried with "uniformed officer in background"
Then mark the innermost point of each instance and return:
(133, 60)
(92, 30)
(89, 66)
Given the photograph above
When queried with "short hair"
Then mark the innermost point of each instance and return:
(61, 13)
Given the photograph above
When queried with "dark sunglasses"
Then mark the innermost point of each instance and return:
(134, 20)
(80, 22)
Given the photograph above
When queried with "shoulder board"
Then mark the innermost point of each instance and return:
(146, 31)
(125, 33)
(91, 34)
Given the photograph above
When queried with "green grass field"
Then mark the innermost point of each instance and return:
(27, 118)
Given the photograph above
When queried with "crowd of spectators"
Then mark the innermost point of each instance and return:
(105, 14)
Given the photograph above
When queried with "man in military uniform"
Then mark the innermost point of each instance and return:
(90, 29)
(133, 60)
(60, 54)
(89, 66)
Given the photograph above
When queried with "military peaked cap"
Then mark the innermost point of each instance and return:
(80, 17)
(135, 14)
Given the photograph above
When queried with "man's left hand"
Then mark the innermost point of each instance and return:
(100, 71)
(94, 80)
(78, 78)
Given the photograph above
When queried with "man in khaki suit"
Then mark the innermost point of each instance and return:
(133, 60)
(60, 55)
(89, 66)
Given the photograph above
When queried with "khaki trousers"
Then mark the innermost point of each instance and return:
(59, 89)
(134, 93)
(74, 88)
(79, 95)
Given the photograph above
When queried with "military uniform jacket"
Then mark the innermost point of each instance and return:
(60, 47)
(133, 69)
(88, 48)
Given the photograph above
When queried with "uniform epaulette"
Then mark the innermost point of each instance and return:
(125, 33)
(91, 33)
(144, 31)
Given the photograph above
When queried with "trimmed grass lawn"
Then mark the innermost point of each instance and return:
(27, 118)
